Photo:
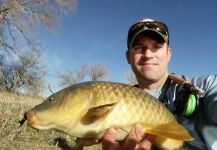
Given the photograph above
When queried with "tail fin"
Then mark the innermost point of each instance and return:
(171, 130)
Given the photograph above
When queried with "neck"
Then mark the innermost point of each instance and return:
(150, 85)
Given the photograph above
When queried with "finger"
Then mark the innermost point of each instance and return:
(144, 145)
(150, 137)
(133, 137)
(108, 140)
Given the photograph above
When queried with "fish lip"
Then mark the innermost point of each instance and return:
(34, 122)
(31, 118)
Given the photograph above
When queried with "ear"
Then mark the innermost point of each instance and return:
(169, 53)
(128, 56)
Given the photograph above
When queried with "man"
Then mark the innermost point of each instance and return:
(149, 54)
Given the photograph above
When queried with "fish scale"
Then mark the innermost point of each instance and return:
(92, 107)
(133, 97)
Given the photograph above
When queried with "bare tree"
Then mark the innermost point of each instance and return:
(97, 72)
(18, 21)
(19, 17)
(70, 77)
(81, 72)
(131, 78)
(25, 74)
(67, 78)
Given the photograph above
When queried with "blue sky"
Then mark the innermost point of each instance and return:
(96, 32)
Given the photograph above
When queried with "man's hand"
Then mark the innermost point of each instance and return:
(136, 140)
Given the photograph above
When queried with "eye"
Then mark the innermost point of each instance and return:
(50, 99)
(138, 48)
(158, 46)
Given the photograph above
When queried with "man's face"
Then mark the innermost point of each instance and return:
(149, 59)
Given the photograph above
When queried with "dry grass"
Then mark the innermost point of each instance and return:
(12, 137)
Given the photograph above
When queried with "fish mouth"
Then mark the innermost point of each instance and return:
(30, 116)
(33, 121)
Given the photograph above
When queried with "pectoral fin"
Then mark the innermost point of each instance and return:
(171, 130)
(97, 113)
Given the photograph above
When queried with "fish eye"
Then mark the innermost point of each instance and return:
(50, 99)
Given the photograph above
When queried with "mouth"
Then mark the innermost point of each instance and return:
(148, 64)
(33, 121)
(30, 117)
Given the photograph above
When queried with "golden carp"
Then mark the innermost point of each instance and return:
(87, 109)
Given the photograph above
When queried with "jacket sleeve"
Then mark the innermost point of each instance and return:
(209, 85)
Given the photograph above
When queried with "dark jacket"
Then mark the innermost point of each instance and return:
(202, 125)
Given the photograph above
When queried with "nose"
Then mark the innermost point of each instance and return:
(31, 117)
(147, 53)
